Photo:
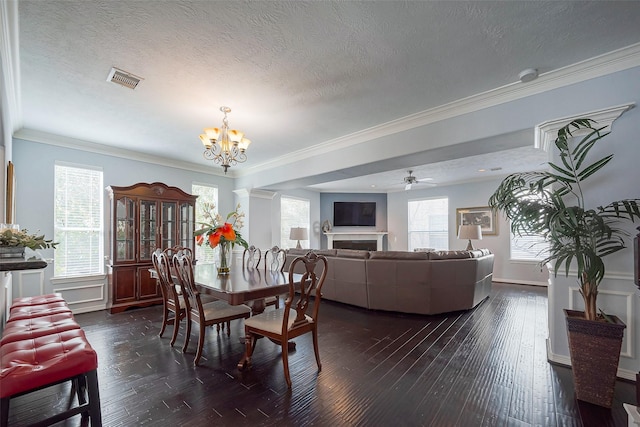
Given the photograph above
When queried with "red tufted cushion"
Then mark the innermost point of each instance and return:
(37, 327)
(29, 364)
(40, 299)
(27, 311)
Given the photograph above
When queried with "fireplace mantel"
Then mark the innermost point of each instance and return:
(356, 235)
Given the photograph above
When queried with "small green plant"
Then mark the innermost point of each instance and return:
(552, 204)
(15, 238)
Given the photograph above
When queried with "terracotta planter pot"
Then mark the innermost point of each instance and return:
(595, 352)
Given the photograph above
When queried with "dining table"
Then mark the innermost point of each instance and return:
(243, 285)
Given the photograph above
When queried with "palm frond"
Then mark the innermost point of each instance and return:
(552, 204)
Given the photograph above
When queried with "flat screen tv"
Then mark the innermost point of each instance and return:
(354, 213)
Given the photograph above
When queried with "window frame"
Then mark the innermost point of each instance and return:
(97, 218)
(285, 242)
(203, 253)
(409, 222)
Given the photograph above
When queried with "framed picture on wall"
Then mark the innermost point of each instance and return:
(483, 216)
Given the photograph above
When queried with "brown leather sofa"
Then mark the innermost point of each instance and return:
(407, 282)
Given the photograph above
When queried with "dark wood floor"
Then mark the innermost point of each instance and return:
(483, 367)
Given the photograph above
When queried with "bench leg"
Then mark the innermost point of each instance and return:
(4, 410)
(94, 399)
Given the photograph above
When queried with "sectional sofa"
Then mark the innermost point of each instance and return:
(407, 282)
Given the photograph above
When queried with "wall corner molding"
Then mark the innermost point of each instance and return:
(547, 132)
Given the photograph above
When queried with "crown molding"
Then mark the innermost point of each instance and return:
(611, 62)
(92, 147)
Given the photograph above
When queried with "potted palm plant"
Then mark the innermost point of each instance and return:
(552, 204)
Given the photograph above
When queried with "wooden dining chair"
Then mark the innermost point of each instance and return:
(173, 306)
(213, 313)
(274, 260)
(295, 319)
(251, 257)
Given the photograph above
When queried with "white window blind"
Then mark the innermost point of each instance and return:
(293, 213)
(207, 195)
(428, 224)
(528, 248)
(78, 221)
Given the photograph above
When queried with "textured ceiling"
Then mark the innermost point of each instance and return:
(296, 74)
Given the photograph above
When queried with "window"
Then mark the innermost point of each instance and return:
(428, 224)
(528, 248)
(78, 221)
(293, 213)
(207, 195)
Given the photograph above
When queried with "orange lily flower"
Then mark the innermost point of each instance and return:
(228, 232)
(214, 239)
(200, 240)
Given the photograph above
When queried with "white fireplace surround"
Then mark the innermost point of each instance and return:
(356, 235)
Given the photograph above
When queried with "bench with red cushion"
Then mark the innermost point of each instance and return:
(39, 299)
(31, 311)
(44, 350)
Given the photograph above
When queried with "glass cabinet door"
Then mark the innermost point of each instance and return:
(148, 228)
(169, 224)
(187, 225)
(124, 244)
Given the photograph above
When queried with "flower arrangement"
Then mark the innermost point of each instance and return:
(218, 230)
(22, 238)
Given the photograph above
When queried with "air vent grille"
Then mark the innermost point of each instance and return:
(123, 78)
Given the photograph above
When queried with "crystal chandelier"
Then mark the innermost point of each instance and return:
(223, 145)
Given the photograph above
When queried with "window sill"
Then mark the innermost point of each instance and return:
(524, 261)
(72, 279)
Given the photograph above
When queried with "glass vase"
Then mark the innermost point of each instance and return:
(224, 257)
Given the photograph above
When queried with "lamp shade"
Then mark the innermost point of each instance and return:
(299, 233)
(470, 232)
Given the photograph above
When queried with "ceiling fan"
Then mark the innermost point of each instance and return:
(410, 180)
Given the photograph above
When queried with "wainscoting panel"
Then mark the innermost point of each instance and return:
(83, 294)
(27, 283)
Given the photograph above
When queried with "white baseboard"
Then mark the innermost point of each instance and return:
(89, 309)
(519, 282)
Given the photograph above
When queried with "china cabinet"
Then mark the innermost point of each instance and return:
(144, 217)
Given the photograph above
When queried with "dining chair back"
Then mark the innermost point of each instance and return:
(212, 313)
(172, 301)
(251, 257)
(299, 315)
(274, 260)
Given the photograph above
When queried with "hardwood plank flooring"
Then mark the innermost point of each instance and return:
(483, 367)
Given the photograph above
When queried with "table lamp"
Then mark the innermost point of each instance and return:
(299, 233)
(470, 232)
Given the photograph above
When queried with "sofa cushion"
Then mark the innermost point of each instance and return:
(352, 253)
(398, 255)
(301, 252)
(325, 252)
(479, 253)
(297, 252)
(449, 254)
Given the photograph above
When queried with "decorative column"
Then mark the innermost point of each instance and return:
(258, 226)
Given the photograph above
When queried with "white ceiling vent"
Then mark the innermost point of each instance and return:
(123, 78)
